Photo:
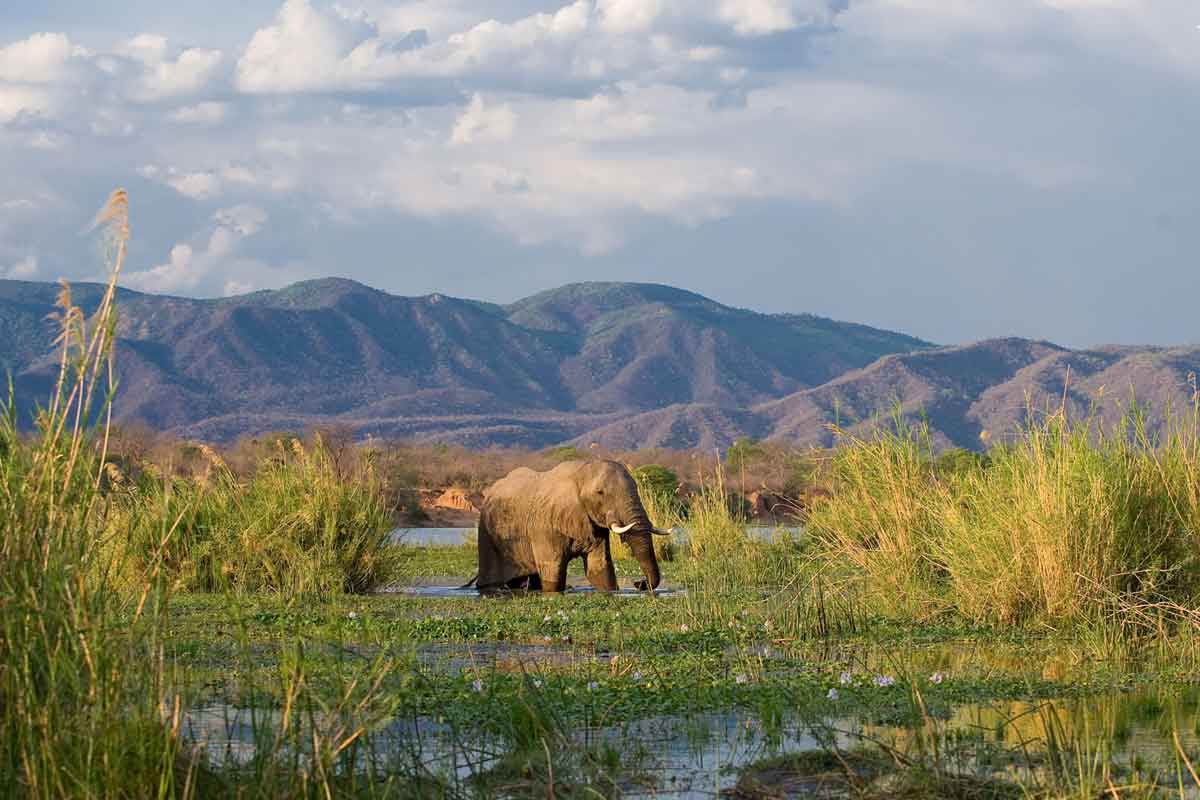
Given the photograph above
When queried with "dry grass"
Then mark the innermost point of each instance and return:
(1069, 521)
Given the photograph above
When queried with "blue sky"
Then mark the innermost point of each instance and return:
(956, 169)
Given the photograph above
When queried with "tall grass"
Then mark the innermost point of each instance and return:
(89, 706)
(1069, 523)
(298, 525)
(74, 720)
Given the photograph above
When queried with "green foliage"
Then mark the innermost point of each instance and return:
(656, 478)
(294, 527)
(742, 452)
(565, 453)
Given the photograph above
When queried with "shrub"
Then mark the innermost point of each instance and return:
(656, 479)
(294, 527)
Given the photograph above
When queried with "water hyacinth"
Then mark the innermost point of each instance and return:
(637, 676)
(883, 681)
(937, 677)
(593, 686)
(741, 678)
(477, 685)
(832, 694)
(845, 679)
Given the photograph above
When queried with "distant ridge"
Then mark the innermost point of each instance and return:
(621, 364)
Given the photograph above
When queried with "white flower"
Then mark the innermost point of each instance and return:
(832, 694)
(845, 679)
(593, 686)
(637, 676)
(741, 679)
(684, 628)
(353, 615)
(546, 618)
(884, 680)
(937, 677)
(537, 683)
(477, 685)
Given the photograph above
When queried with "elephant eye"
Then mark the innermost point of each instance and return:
(599, 491)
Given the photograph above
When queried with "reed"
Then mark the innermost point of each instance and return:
(1072, 522)
(298, 525)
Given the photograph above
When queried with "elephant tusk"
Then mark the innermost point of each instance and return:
(660, 532)
(619, 529)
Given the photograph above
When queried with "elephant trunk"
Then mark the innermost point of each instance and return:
(641, 544)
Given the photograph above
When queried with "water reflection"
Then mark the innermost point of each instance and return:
(701, 755)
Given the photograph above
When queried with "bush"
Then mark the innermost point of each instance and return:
(294, 527)
(657, 479)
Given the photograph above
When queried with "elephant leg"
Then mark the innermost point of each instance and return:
(551, 561)
(553, 575)
(600, 571)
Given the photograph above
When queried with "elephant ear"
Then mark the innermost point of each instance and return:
(565, 513)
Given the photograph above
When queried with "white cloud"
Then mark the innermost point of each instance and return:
(210, 260)
(246, 220)
(26, 101)
(196, 185)
(42, 58)
(757, 17)
(162, 78)
(480, 123)
(24, 269)
(209, 113)
(337, 52)
(582, 42)
(148, 48)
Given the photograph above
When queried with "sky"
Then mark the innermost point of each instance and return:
(953, 169)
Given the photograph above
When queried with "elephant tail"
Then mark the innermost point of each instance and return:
(471, 582)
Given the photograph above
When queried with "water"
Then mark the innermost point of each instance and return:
(702, 755)
(457, 591)
(452, 537)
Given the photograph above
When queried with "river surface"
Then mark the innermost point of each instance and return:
(702, 755)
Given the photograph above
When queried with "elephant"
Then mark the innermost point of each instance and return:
(533, 523)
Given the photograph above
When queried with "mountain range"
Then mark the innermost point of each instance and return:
(625, 365)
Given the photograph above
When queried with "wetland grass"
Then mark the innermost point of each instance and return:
(297, 526)
(1071, 524)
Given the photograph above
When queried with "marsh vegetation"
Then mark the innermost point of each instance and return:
(1014, 625)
